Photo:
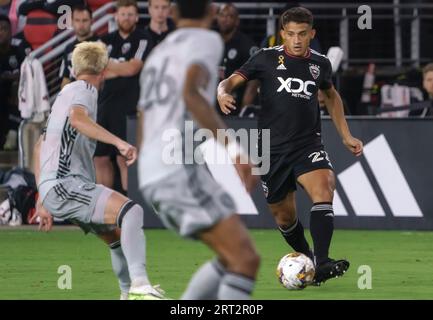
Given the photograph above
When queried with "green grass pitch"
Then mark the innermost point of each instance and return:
(401, 265)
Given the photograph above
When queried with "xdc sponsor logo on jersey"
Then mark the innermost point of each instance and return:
(297, 87)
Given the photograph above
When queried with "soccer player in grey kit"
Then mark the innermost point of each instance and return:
(65, 174)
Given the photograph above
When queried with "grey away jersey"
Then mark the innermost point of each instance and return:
(162, 81)
(64, 151)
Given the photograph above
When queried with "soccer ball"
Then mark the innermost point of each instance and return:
(295, 271)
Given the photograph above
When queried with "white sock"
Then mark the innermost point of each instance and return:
(205, 282)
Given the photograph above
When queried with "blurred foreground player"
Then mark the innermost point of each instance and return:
(178, 84)
(66, 176)
(290, 77)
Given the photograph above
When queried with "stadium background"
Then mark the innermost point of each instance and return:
(30, 260)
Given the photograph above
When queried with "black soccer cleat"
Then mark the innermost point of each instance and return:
(330, 269)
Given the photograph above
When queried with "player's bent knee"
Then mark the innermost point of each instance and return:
(323, 191)
(283, 215)
(246, 259)
(248, 263)
(129, 207)
(286, 218)
(111, 238)
(253, 260)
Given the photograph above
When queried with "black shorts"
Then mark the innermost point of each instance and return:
(115, 122)
(286, 168)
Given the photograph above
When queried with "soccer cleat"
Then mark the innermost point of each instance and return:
(330, 269)
(146, 292)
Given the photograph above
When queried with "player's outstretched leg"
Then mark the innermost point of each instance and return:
(320, 186)
(289, 225)
(129, 218)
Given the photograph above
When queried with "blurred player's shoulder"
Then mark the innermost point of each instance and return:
(196, 35)
(187, 41)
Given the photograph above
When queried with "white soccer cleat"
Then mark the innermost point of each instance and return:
(146, 292)
(124, 296)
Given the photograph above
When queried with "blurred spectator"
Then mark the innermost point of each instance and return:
(81, 23)
(128, 47)
(427, 84)
(428, 79)
(238, 49)
(11, 58)
(5, 6)
(160, 25)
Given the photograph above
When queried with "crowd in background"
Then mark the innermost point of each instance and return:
(21, 20)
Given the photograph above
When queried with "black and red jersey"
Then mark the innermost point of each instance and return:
(289, 95)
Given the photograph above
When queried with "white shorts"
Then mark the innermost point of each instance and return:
(79, 202)
(189, 201)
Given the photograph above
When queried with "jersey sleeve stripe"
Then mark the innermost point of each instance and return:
(141, 49)
(241, 74)
(62, 69)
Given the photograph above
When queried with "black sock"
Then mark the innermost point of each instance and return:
(321, 229)
(294, 236)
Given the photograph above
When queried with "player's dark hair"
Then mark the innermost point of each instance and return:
(229, 5)
(82, 7)
(126, 3)
(5, 18)
(297, 15)
(193, 9)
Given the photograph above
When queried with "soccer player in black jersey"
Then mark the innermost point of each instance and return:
(291, 76)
